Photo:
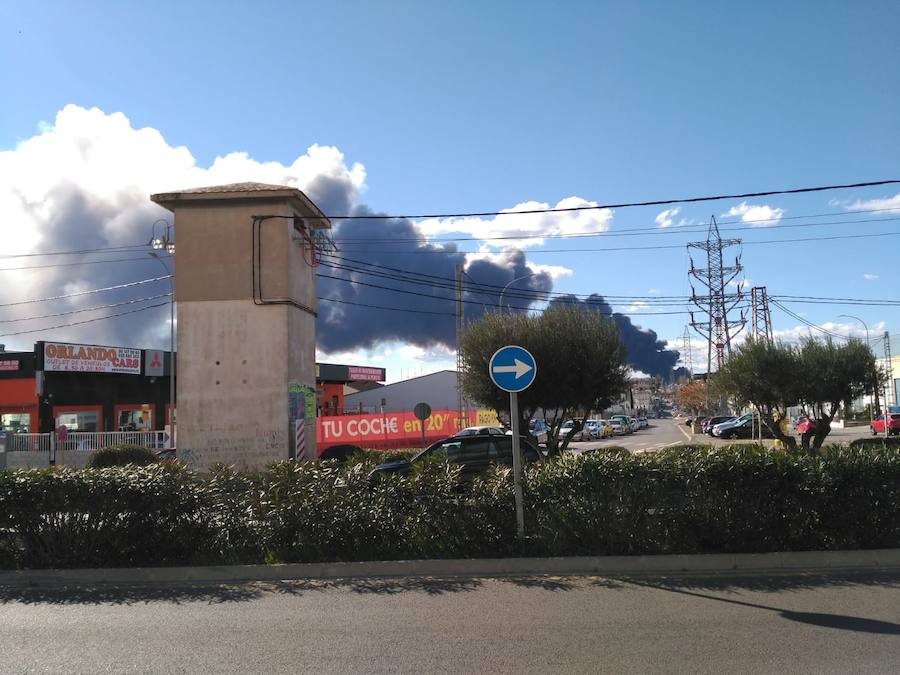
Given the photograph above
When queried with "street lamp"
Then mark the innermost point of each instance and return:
(868, 344)
(167, 243)
(530, 274)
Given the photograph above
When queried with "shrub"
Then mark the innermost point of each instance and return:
(684, 500)
(121, 455)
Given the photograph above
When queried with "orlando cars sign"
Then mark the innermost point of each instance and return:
(60, 356)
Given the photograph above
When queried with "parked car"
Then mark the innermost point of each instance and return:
(480, 431)
(617, 427)
(594, 428)
(723, 429)
(642, 422)
(627, 423)
(606, 430)
(476, 454)
(577, 428)
(713, 421)
(877, 424)
(804, 425)
(537, 429)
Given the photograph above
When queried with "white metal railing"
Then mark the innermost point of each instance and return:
(27, 442)
(93, 440)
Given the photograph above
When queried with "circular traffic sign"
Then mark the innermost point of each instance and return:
(512, 368)
(422, 411)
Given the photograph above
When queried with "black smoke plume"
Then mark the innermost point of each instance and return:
(644, 350)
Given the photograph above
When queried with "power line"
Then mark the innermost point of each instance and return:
(87, 309)
(94, 290)
(440, 251)
(619, 232)
(72, 264)
(494, 290)
(83, 251)
(622, 205)
(79, 323)
(806, 322)
(469, 302)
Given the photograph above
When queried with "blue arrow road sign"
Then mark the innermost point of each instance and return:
(512, 368)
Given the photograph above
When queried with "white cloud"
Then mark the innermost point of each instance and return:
(535, 225)
(636, 307)
(653, 291)
(758, 215)
(743, 284)
(870, 277)
(666, 218)
(84, 182)
(886, 204)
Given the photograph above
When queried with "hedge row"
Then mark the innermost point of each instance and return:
(686, 500)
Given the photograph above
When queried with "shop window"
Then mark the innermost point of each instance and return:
(81, 420)
(134, 419)
(16, 423)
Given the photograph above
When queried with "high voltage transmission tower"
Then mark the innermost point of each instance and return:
(760, 316)
(717, 329)
(890, 393)
(686, 349)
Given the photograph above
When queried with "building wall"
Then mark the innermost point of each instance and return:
(238, 357)
(437, 390)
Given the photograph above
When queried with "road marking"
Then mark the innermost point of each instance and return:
(685, 434)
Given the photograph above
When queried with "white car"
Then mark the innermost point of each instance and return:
(582, 434)
(618, 428)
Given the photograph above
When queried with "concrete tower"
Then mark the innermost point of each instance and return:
(246, 295)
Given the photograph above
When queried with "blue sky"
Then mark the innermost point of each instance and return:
(482, 106)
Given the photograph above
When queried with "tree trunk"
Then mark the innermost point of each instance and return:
(823, 428)
(768, 419)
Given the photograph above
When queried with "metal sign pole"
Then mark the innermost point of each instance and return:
(513, 369)
(517, 465)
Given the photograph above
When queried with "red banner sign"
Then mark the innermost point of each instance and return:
(393, 430)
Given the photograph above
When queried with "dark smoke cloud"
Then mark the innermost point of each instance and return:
(644, 350)
(79, 221)
(398, 243)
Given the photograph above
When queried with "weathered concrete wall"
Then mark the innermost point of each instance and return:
(25, 459)
(232, 383)
(237, 358)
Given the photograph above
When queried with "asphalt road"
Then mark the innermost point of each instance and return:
(666, 433)
(773, 624)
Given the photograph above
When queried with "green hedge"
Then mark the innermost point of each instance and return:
(683, 500)
(121, 455)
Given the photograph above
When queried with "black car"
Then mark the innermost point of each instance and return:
(713, 421)
(747, 429)
(476, 454)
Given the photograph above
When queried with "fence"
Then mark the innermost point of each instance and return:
(27, 442)
(82, 440)
(93, 440)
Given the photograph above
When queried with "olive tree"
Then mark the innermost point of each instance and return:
(765, 375)
(833, 375)
(818, 375)
(580, 364)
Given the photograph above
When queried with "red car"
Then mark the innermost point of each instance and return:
(804, 425)
(877, 425)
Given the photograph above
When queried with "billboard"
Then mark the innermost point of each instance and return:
(394, 430)
(64, 357)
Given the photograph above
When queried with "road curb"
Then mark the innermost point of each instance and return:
(717, 563)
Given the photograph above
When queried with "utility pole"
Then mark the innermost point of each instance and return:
(717, 329)
(760, 316)
(461, 409)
